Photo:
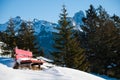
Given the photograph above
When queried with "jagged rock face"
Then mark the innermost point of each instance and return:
(78, 17)
(17, 21)
(44, 29)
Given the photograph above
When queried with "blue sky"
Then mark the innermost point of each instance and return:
(50, 9)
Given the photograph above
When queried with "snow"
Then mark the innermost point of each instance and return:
(0, 51)
(9, 62)
(78, 17)
(21, 59)
(45, 59)
(106, 77)
(49, 72)
(53, 73)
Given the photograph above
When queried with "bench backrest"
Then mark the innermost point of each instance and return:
(22, 53)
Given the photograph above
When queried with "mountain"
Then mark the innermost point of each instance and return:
(17, 21)
(44, 29)
(78, 19)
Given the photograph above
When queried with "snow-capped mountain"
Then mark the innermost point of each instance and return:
(43, 25)
(78, 19)
(44, 29)
(17, 21)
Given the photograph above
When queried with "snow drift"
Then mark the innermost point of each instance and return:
(54, 73)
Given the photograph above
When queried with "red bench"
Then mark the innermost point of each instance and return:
(24, 59)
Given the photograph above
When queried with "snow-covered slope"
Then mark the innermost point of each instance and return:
(54, 73)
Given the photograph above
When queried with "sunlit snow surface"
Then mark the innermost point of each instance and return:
(54, 73)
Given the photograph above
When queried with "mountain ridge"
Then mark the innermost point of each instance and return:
(44, 29)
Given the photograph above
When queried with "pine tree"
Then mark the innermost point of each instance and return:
(115, 45)
(68, 51)
(32, 42)
(103, 41)
(2, 36)
(89, 29)
(27, 39)
(107, 35)
(10, 37)
(61, 38)
(21, 36)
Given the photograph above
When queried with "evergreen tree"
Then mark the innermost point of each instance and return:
(2, 36)
(32, 42)
(11, 34)
(21, 36)
(61, 38)
(89, 29)
(116, 20)
(68, 51)
(115, 45)
(10, 37)
(103, 41)
(27, 39)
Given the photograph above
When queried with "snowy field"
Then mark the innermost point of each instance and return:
(54, 73)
